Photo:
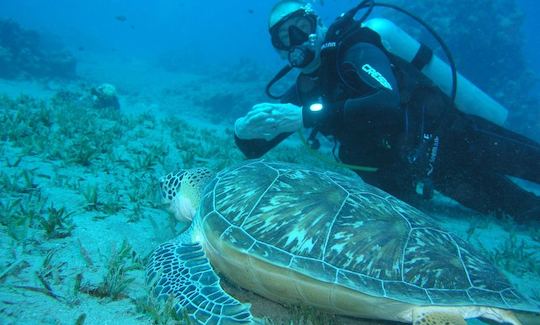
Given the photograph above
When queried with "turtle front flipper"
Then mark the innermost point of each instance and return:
(179, 270)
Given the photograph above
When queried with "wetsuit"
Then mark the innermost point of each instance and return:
(384, 113)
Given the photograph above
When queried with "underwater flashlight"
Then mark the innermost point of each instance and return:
(316, 107)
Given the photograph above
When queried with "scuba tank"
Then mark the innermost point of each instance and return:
(469, 98)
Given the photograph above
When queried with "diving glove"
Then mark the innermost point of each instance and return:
(268, 120)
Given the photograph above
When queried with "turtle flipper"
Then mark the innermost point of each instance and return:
(179, 270)
(427, 317)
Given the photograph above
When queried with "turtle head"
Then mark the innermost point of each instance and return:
(183, 191)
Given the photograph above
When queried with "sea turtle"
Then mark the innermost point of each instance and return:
(301, 235)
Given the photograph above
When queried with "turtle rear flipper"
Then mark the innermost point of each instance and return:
(179, 270)
(421, 317)
(439, 316)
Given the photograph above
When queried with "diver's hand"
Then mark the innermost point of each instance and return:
(268, 120)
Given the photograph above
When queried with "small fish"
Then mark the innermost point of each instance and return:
(251, 11)
(121, 18)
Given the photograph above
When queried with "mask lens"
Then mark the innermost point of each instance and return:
(293, 31)
(297, 36)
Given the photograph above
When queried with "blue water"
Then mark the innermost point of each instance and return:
(213, 31)
(226, 29)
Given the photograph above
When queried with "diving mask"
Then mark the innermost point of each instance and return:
(293, 29)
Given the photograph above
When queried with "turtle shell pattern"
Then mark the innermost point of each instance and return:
(341, 230)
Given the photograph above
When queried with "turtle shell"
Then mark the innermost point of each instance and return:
(338, 229)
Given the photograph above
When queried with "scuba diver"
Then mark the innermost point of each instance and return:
(402, 119)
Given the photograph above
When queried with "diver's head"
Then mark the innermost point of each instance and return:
(297, 33)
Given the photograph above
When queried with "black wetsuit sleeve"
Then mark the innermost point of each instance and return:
(367, 73)
(255, 148)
